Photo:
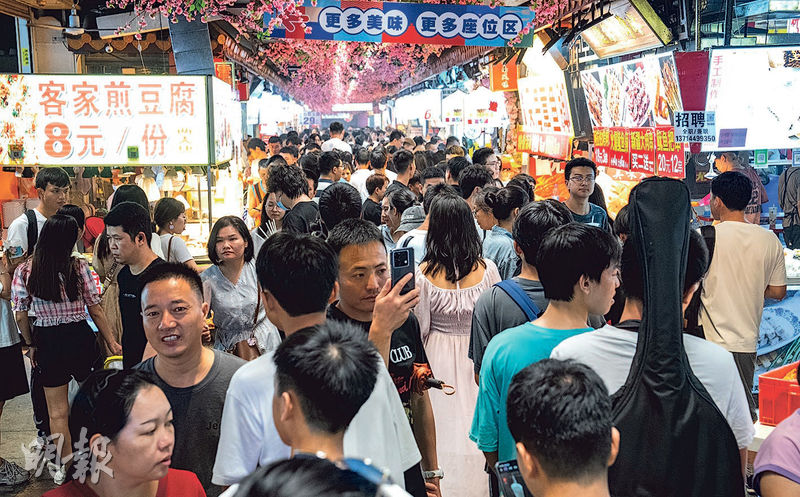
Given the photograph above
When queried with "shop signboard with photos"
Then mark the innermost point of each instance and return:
(94, 120)
(635, 94)
(632, 107)
(547, 126)
(754, 94)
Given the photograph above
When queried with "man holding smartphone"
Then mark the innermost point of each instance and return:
(364, 274)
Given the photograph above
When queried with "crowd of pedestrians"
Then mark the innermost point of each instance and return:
(299, 363)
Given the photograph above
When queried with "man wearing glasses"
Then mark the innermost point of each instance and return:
(579, 174)
(486, 157)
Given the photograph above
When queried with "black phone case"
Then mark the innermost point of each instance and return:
(398, 273)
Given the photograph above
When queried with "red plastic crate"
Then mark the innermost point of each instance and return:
(777, 398)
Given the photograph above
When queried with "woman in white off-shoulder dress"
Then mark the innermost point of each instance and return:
(450, 278)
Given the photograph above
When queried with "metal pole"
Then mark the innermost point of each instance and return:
(728, 22)
(697, 25)
(212, 154)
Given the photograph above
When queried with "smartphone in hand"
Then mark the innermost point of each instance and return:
(401, 262)
(510, 479)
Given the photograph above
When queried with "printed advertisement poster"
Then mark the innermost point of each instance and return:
(670, 156)
(643, 153)
(601, 143)
(619, 152)
(754, 93)
(635, 94)
(103, 120)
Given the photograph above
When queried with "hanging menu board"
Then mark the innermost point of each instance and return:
(632, 107)
(634, 94)
(547, 122)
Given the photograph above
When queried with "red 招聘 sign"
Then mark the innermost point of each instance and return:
(619, 153)
(642, 148)
(670, 157)
(601, 144)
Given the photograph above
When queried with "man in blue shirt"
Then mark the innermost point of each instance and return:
(578, 267)
(580, 174)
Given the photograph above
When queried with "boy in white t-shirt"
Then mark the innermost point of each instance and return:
(611, 349)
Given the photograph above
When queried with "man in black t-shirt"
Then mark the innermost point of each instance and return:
(376, 188)
(129, 230)
(290, 186)
(363, 272)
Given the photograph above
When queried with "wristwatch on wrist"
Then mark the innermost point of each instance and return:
(430, 475)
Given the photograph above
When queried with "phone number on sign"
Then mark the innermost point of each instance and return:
(695, 139)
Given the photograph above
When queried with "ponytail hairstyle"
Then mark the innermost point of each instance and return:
(53, 267)
(505, 200)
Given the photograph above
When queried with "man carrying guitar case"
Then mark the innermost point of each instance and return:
(674, 440)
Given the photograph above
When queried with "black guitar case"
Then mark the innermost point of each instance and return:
(674, 441)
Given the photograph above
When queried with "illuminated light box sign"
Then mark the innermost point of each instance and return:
(634, 94)
(227, 122)
(385, 22)
(88, 120)
(547, 122)
(754, 95)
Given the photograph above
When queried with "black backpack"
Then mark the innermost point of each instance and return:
(674, 440)
(33, 230)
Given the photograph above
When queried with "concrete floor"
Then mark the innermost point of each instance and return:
(17, 429)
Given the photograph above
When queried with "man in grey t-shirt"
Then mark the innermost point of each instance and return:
(194, 379)
(495, 310)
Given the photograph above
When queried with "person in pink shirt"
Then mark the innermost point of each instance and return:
(777, 466)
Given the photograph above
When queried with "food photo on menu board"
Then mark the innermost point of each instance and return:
(759, 107)
(634, 94)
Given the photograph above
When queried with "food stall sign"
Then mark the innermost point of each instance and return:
(695, 127)
(544, 104)
(756, 108)
(670, 157)
(601, 146)
(552, 145)
(227, 111)
(643, 152)
(619, 153)
(503, 77)
(634, 94)
(93, 120)
(414, 23)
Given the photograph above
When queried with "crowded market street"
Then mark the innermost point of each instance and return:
(438, 248)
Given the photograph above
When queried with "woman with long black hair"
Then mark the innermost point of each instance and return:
(451, 277)
(59, 288)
